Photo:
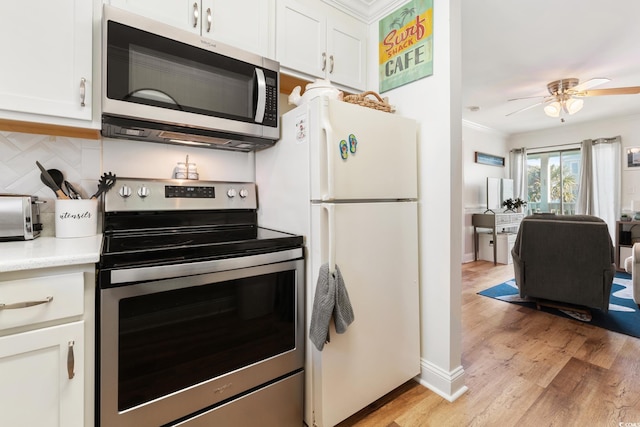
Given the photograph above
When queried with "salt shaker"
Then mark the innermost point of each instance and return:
(181, 171)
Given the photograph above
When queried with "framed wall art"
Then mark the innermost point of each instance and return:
(632, 158)
(405, 44)
(489, 159)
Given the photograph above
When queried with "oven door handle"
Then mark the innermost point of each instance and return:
(159, 272)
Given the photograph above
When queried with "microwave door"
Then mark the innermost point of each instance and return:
(261, 102)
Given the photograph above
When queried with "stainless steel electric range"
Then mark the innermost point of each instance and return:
(200, 312)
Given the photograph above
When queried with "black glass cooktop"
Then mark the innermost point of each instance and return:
(169, 238)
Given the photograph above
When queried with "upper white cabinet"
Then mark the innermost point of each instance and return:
(46, 59)
(321, 42)
(240, 23)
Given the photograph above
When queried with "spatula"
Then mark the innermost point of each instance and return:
(50, 182)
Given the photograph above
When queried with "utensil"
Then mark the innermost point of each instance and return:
(50, 182)
(106, 181)
(58, 177)
(71, 190)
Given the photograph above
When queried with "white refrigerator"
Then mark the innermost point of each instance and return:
(345, 177)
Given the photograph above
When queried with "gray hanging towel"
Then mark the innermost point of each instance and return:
(331, 299)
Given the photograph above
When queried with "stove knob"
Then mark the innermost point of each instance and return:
(231, 193)
(125, 191)
(244, 193)
(143, 192)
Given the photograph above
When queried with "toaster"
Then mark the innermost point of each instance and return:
(19, 217)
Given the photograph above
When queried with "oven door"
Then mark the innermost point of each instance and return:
(172, 347)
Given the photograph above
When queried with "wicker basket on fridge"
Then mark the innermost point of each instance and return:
(377, 103)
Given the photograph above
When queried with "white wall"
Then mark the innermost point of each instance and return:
(628, 127)
(479, 138)
(435, 103)
(136, 159)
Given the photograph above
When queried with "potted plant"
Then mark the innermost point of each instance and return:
(511, 205)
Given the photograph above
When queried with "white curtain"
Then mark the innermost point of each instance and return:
(599, 191)
(518, 172)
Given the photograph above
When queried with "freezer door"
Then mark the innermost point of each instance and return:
(358, 153)
(376, 249)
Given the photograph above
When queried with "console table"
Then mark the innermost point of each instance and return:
(495, 222)
(624, 243)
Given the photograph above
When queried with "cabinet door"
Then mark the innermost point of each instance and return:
(301, 35)
(240, 23)
(46, 57)
(346, 47)
(35, 387)
(184, 14)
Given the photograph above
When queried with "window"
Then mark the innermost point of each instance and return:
(552, 181)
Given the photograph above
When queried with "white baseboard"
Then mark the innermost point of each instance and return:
(449, 385)
(467, 258)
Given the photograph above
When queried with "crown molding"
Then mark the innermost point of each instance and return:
(367, 11)
(482, 128)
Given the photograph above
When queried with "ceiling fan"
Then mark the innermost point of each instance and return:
(565, 95)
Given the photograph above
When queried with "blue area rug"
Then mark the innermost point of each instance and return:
(623, 315)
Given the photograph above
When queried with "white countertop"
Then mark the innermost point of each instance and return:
(43, 252)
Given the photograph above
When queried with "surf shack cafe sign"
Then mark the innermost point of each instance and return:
(406, 44)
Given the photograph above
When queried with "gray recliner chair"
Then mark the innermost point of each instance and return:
(565, 258)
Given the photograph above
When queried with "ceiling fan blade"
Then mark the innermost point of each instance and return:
(590, 83)
(631, 90)
(528, 97)
(526, 108)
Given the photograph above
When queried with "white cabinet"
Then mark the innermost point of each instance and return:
(240, 23)
(45, 355)
(46, 59)
(42, 377)
(321, 42)
(183, 14)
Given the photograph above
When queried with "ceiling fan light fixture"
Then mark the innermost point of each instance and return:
(573, 105)
(553, 109)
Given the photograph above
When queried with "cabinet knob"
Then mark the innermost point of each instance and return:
(196, 15)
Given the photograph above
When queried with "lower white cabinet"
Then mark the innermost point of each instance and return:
(47, 347)
(42, 377)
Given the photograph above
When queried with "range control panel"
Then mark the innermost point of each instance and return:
(137, 194)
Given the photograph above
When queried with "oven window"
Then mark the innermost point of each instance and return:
(166, 73)
(175, 339)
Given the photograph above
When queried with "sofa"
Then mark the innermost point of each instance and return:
(565, 258)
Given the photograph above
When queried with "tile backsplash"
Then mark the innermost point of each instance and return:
(82, 161)
(78, 159)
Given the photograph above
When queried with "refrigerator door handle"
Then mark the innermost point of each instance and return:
(331, 235)
(328, 132)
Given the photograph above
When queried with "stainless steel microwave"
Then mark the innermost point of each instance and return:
(164, 84)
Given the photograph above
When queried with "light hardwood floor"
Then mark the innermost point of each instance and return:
(522, 368)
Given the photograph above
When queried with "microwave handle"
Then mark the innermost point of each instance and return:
(262, 95)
